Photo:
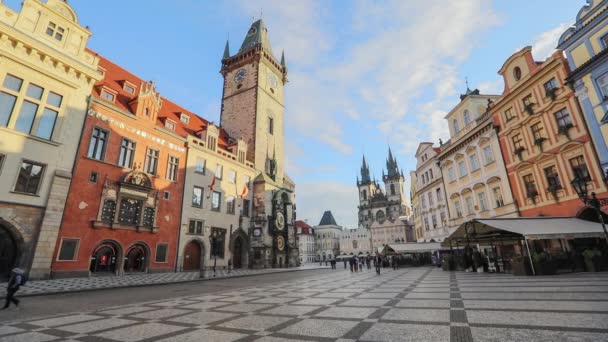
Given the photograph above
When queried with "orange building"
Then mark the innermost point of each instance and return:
(123, 211)
(544, 138)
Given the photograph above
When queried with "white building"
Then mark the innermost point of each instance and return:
(327, 235)
(356, 241)
(306, 242)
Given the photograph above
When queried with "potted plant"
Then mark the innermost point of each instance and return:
(531, 194)
(565, 130)
(529, 108)
(520, 266)
(543, 265)
(519, 151)
(539, 142)
(591, 259)
(552, 188)
(551, 93)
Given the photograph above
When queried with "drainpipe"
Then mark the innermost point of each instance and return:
(529, 256)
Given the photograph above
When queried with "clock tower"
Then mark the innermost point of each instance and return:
(253, 99)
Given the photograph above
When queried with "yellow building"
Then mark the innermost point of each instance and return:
(586, 47)
(474, 173)
(419, 236)
(47, 75)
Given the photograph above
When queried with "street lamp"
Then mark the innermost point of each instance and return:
(214, 249)
(580, 186)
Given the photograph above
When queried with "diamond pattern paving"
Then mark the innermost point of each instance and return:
(414, 304)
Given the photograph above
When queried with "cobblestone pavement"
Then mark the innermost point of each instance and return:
(104, 282)
(415, 304)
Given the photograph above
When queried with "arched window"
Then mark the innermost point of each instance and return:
(365, 195)
(392, 189)
(467, 117)
(456, 128)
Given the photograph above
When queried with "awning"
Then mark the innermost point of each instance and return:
(532, 228)
(415, 247)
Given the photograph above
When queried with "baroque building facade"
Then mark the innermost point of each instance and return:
(474, 173)
(544, 139)
(356, 241)
(586, 47)
(47, 75)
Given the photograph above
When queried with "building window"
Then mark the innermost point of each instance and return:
(184, 118)
(430, 195)
(7, 101)
(245, 211)
(509, 114)
(109, 211)
(517, 73)
(30, 176)
(270, 125)
(216, 201)
(434, 220)
(438, 194)
(550, 85)
(241, 156)
(426, 224)
(469, 202)
(474, 162)
(148, 219)
(462, 169)
(537, 131)
(602, 82)
(423, 202)
(166, 195)
(200, 165)
(230, 205)
(170, 125)
(106, 95)
(151, 164)
(552, 178)
(488, 156)
(442, 215)
(211, 142)
(527, 101)
(93, 177)
(458, 208)
(431, 174)
(563, 119)
(130, 211)
(219, 169)
(172, 167)
(161, 252)
(127, 151)
(498, 197)
(467, 118)
(456, 127)
(218, 238)
(68, 249)
(530, 185)
(232, 176)
(482, 201)
(579, 168)
(451, 174)
(55, 31)
(517, 142)
(195, 227)
(129, 89)
(197, 197)
(393, 189)
(97, 145)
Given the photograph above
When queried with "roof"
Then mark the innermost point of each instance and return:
(413, 247)
(114, 78)
(257, 34)
(301, 224)
(328, 219)
(528, 227)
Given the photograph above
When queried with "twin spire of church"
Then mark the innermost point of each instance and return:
(391, 166)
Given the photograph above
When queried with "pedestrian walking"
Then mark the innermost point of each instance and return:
(369, 262)
(344, 263)
(351, 261)
(378, 262)
(17, 279)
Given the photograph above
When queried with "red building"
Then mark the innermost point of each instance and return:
(544, 139)
(123, 211)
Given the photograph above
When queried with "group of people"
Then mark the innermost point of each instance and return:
(359, 263)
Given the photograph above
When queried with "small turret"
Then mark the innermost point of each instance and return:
(226, 51)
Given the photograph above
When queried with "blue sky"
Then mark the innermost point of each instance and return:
(363, 74)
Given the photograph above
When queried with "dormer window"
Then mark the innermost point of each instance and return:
(170, 125)
(101, 71)
(517, 73)
(55, 31)
(128, 87)
(185, 118)
(107, 95)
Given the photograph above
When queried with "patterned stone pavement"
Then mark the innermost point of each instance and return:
(415, 304)
(132, 280)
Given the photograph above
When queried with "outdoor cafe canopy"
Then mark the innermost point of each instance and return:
(414, 247)
(529, 228)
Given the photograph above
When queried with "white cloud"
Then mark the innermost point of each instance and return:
(495, 87)
(544, 44)
(313, 198)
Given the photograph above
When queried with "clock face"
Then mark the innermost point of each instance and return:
(280, 243)
(257, 232)
(280, 221)
(272, 81)
(240, 75)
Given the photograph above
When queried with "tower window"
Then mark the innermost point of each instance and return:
(270, 125)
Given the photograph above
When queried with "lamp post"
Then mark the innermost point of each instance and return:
(214, 249)
(580, 186)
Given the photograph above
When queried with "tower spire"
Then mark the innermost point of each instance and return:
(365, 172)
(283, 59)
(391, 165)
(227, 50)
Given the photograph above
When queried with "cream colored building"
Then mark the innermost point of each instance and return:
(46, 76)
(356, 241)
(432, 204)
(415, 219)
(473, 169)
(327, 237)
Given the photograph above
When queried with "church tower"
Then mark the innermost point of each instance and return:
(253, 99)
(393, 185)
(367, 190)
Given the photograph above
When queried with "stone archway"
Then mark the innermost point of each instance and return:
(240, 249)
(10, 249)
(137, 258)
(194, 256)
(105, 258)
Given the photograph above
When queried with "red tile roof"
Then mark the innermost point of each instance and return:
(306, 228)
(114, 78)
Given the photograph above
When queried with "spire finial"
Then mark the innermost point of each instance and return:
(283, 59)
(227, 50)
(466, 80)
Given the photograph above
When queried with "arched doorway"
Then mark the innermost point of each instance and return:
(8, 253)
(192, 256)
(136, 258)
(238, 252)
(104, 258)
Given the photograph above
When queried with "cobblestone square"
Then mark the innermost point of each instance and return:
(339, 305)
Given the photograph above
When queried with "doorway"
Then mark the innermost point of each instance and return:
(8, 253)
(135, 261)
(192, 256)
(104, 258)
(238, 252)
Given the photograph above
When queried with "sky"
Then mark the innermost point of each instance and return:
(364, 75)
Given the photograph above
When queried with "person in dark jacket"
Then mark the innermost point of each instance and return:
(13, 286)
